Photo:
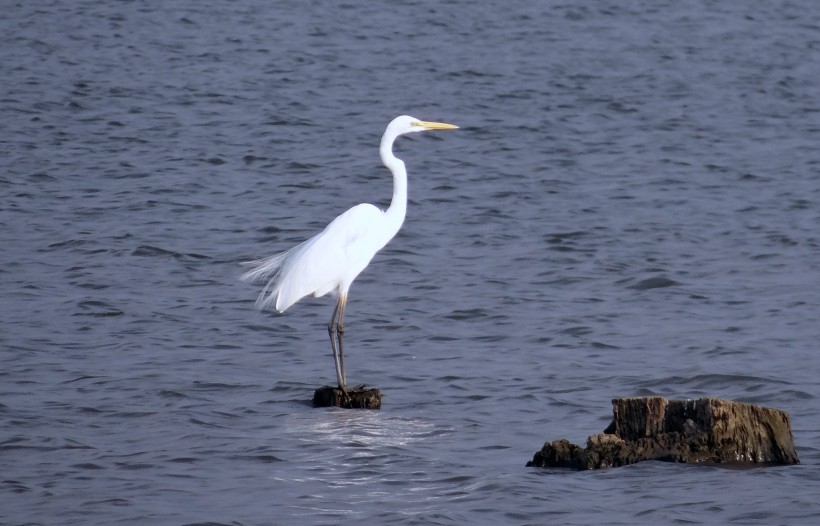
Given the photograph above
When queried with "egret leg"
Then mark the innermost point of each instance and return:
(333, 331)
(341, 334)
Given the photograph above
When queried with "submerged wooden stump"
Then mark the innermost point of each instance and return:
(359, 397)
(707, 430)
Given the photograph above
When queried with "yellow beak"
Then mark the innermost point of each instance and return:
(428, 125)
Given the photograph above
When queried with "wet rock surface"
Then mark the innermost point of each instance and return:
(360, 397)
(706, 430)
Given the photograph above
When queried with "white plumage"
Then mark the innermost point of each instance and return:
(326, 263)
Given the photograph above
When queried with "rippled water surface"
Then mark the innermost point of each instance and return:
(631, 207)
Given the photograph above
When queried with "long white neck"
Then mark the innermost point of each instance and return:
(398, 206)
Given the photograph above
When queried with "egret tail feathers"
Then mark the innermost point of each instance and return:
(288, 281)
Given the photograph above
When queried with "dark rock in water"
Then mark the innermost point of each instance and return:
(708, 430)
(359, 397)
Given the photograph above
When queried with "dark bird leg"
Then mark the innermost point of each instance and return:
(333, 329)
(341, 334)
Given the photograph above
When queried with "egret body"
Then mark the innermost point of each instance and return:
(330, 261)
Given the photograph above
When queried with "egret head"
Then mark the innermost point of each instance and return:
(407, 124)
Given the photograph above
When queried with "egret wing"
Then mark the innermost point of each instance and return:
(324, 263)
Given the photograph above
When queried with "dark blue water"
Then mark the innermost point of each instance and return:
(631, 207)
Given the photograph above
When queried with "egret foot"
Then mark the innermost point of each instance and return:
(359, 397)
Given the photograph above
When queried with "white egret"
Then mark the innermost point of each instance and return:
(330, 261)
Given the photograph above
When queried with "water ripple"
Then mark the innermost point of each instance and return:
(629, 208)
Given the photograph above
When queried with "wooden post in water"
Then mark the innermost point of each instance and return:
(359, 397)
(708, 430)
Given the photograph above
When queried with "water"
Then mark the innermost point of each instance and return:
(631, 207)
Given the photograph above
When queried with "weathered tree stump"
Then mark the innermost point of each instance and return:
(359, 397)
(707, 430)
